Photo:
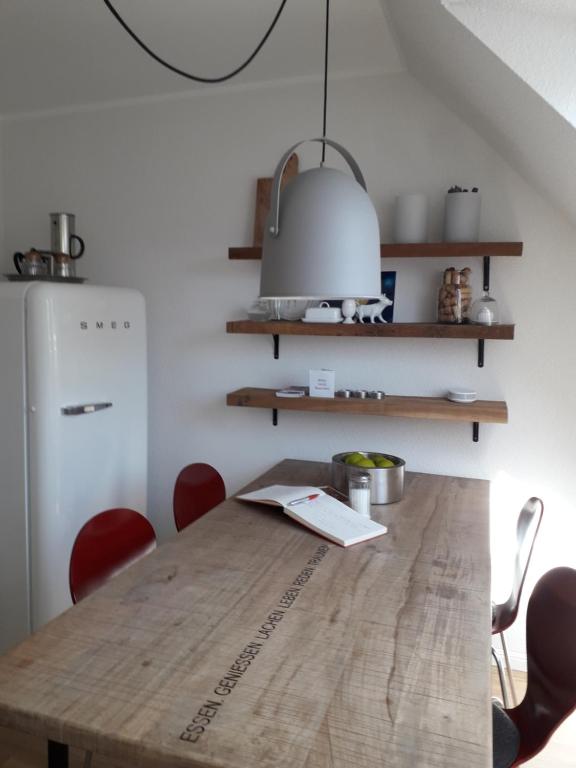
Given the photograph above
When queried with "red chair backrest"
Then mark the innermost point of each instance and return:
(199, 488)
(551, 648)
(527, 527)
(105, 545)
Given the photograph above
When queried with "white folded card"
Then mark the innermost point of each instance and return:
(322, 383)
(317, 510)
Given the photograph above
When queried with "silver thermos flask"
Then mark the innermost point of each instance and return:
(62, 239)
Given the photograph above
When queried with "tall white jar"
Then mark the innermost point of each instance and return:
(411, 219)
(462, 217)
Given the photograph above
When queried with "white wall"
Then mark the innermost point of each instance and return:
(537, 44)
(161, 189)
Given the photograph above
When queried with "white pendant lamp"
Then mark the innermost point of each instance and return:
(321, 239)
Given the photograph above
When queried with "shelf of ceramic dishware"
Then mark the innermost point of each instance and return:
(416, 250)
(438, 408)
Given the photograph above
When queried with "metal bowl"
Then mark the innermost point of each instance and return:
(387, 483)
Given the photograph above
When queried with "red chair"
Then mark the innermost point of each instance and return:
(107, 544)
(551, 648)
(199, 488)
(504, 615)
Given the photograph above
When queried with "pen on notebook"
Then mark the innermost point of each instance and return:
(304, 499)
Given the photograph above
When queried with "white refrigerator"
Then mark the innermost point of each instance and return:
(73, 433)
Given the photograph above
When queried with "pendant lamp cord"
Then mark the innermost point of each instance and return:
(181, 72)
(327, 29)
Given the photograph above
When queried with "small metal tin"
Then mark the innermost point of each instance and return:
(343, 393)
(378, 394)
(361, 393)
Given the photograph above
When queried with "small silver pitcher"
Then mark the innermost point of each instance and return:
(63, 238)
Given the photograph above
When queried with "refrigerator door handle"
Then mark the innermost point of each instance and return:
(80, 410)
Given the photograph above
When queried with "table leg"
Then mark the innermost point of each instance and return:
(57, 755)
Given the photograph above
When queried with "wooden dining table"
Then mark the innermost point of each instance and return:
(248, 641)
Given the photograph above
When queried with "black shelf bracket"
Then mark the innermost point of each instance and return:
(486, 273)
(480, 353)
(485, 287)
(475, 425)
(276, 338)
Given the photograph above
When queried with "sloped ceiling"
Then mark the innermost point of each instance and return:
(68, 53)
(560, 8)
(536, 39)
(65, 53)
(484, 91)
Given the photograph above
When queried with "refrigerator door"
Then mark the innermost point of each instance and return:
(87, 422)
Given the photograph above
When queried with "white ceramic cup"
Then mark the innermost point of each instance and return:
(411, 218)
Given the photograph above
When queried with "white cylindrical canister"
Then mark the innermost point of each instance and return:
(462, 217)
(411, 219)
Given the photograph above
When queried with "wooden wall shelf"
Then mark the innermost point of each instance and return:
(482, 411)
(374, 330)
(416, 250)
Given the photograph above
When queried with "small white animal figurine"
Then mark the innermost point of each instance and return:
(374, 311)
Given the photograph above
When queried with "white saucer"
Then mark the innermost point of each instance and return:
(462, 395)
(290, 393)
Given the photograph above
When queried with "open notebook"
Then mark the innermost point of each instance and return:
(317, 510)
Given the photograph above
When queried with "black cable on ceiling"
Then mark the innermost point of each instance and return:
(326, 36)
(181, 72)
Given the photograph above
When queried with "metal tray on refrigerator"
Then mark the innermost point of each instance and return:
(15, 278)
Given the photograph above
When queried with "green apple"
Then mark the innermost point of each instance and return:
(383, 462)
(363, 462)
(352, 458)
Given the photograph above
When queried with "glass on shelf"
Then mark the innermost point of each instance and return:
(279, 309)
(288, 309)
(259, 310)
(484, 311)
